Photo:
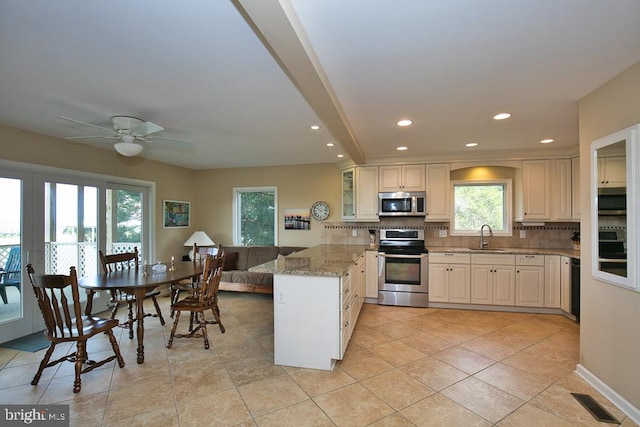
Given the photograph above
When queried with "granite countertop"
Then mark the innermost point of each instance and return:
(321, 260)
(509, 251)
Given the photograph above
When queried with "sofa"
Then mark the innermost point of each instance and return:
(238, 259)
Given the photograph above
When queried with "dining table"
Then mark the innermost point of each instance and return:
(138, 281)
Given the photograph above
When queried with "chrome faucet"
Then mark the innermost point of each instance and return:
(484, 244)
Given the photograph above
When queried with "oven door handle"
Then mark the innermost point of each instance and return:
(384, 255)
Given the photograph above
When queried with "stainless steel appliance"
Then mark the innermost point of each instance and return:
(402, 204)
(612, 251)
(612, 201)
(403, 268)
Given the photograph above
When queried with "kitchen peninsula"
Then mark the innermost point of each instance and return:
(317, 297)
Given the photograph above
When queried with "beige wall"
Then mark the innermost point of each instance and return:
(172, 182)
(297, 186)
(610, 320)
(209, 191)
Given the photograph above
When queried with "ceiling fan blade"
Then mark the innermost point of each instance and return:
(86, 124)
(172, 144)
(147, 128)
(88, 137)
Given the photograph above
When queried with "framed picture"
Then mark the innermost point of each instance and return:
(297, 219)
(175, 214)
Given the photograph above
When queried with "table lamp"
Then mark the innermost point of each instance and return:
(199, 238)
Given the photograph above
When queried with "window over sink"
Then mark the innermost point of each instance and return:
(481, 202)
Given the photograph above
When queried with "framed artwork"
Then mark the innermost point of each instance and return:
(175, 214)
(297, 219)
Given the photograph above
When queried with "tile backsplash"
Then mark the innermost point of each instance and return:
(555, 235)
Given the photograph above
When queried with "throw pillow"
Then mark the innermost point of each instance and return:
(230, 261)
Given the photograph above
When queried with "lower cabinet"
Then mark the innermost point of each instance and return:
(565, 284)
(552, 281)
(530, 280)
(371, 274)
(449, 278)
(492, 279)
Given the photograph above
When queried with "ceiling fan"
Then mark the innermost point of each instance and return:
(130, 133)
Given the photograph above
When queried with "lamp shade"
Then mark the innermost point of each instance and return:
(129, 149)
(199, 238)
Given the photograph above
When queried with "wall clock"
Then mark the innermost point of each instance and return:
(320, 210)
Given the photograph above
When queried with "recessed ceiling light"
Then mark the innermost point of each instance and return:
(330, 144)
(315, 127)
(401, 148)
(341, 155)
(471, 144)
(404, 122)
(502, 116)
(546, 141)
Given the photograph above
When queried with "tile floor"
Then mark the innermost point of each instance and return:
(403, 367)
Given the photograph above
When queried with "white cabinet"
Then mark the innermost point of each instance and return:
(552, 281)
(530, 280)
(402, 178)
(348, 194)
(360, 194)
(449, 278)
(353, 298)
(438, 192)
(536, 184)
(612, 172)
(371, 274)
(492, 279)
(367, 193)
(565, 284)
(561, 190)
(575, 188)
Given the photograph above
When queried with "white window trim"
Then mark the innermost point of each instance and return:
(236, 213)
(508, 206)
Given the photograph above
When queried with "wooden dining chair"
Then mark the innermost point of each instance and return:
(205, 298)
(191, 286)
(116, 262)
(59, 302)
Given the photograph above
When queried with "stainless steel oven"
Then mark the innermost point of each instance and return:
(403, 268)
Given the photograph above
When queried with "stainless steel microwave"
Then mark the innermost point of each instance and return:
(612, 201)
(402, 204)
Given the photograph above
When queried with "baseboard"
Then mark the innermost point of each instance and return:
(601, 387)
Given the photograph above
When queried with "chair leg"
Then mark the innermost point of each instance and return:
(3, 294)
(203, 326)
(43, 364)
(158, 312)
(216, 315)
(115, 310)
(115, 347)
(81, 356)
(173, 329)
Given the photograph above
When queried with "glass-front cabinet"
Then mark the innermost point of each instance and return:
(348, 194)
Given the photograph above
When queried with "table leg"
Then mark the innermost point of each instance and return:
(140, 293)
(89, 306)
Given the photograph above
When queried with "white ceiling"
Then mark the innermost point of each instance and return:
(244, 79)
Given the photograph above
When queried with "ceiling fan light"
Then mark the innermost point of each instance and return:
(128, 149)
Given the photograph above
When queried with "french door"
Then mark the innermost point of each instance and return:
(57, 222)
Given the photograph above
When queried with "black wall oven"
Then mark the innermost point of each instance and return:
(403, 268)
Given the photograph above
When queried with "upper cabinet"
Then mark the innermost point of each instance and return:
(612, 172)
(561, 190)
(401, 178)
(360, 194)
(348, 194)
(438, 192)
(536, 185)
(575, 188)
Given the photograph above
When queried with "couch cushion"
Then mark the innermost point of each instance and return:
(243, 255)
(230, 261)
(262, 279)
(259, 255)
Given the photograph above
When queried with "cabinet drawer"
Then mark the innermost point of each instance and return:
(498, 259)
(449, 258)
(530, 260)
